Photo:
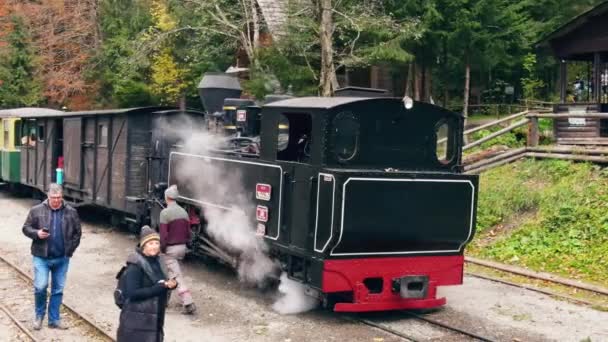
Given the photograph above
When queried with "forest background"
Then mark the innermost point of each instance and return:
(82, 54)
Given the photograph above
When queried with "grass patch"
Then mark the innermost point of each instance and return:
(567, 235)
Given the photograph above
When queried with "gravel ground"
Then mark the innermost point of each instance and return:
(231, 312)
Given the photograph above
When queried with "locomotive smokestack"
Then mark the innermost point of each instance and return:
(215, 87)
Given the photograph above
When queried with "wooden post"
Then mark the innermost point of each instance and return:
(597, 74)
(374, 77)
(563, 81)
(532, 132)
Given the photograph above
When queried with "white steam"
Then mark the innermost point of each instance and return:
(227, 222)
(294, 298)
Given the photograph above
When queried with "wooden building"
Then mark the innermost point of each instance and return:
(583, 39)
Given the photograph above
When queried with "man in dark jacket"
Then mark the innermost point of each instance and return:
(174, 235)
(142, 316)
(54, 228)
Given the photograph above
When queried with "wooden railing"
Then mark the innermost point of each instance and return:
(576, 153)
(533, 131)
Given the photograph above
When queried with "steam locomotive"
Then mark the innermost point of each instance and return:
(360, 198)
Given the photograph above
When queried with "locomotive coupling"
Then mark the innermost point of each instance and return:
(411, 286)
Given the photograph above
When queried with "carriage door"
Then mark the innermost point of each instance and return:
(301, 207)
(72, 140)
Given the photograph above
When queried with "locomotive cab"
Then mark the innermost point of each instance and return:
(377, 206)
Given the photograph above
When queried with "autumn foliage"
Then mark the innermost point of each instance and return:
(65, 36)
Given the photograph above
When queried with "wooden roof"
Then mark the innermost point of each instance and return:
(275, 15)
(581, 37)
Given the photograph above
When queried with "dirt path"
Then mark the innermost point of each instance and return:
(230, 312)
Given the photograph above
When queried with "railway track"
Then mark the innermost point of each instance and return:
(417, 327)
(541, 281)
(12, 328)
(448, 332)
(17, 305)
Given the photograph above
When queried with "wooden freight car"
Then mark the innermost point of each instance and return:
(104, 154)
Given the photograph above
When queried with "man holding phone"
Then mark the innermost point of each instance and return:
(54, 228)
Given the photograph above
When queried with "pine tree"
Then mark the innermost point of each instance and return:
(20, 85)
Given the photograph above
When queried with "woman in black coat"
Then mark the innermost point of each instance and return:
(142, 316)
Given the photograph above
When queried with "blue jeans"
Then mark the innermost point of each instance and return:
(59, 269)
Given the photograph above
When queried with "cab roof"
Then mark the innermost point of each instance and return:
(325, 103)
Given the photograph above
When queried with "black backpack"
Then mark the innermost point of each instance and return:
(119, 298)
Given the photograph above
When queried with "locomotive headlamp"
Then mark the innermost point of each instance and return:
(408, 103)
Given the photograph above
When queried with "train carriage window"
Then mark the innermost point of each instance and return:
(16, 133)
(345, 136)
(444, 144)
(28, 137)
(7, 140)
(41, 133)
(102, 135)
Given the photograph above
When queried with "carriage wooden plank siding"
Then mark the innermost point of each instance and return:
(581, 131)
(107, 165)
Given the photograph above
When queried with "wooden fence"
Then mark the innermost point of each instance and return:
(587, 149)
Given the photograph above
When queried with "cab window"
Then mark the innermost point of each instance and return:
(294, 137)
(444, 138)
(345, 136)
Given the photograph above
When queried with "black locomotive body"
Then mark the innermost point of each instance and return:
(361, 199)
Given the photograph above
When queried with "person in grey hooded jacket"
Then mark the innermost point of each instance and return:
(142, 316)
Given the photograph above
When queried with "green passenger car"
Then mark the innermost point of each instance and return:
(10, 154)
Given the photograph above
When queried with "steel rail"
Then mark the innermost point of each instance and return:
(407, 337)
(17, 323)
(538, 275)
(449, 327)
(69, 308)
(531, 288)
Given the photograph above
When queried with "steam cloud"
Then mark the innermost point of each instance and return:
(229, 226)
(294, 299)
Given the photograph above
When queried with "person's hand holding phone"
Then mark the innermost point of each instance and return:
(43, 233)
(171, 283)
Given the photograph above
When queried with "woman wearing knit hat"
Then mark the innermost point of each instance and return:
(145, 287)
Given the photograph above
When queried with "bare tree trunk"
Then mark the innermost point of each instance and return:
(467, 84)
(256, 25)
(417, 82)
(408, 80)
(182, 103)
(444, 68)
(328, 73)
(428, 83)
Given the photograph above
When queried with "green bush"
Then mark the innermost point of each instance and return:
(569, 232)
